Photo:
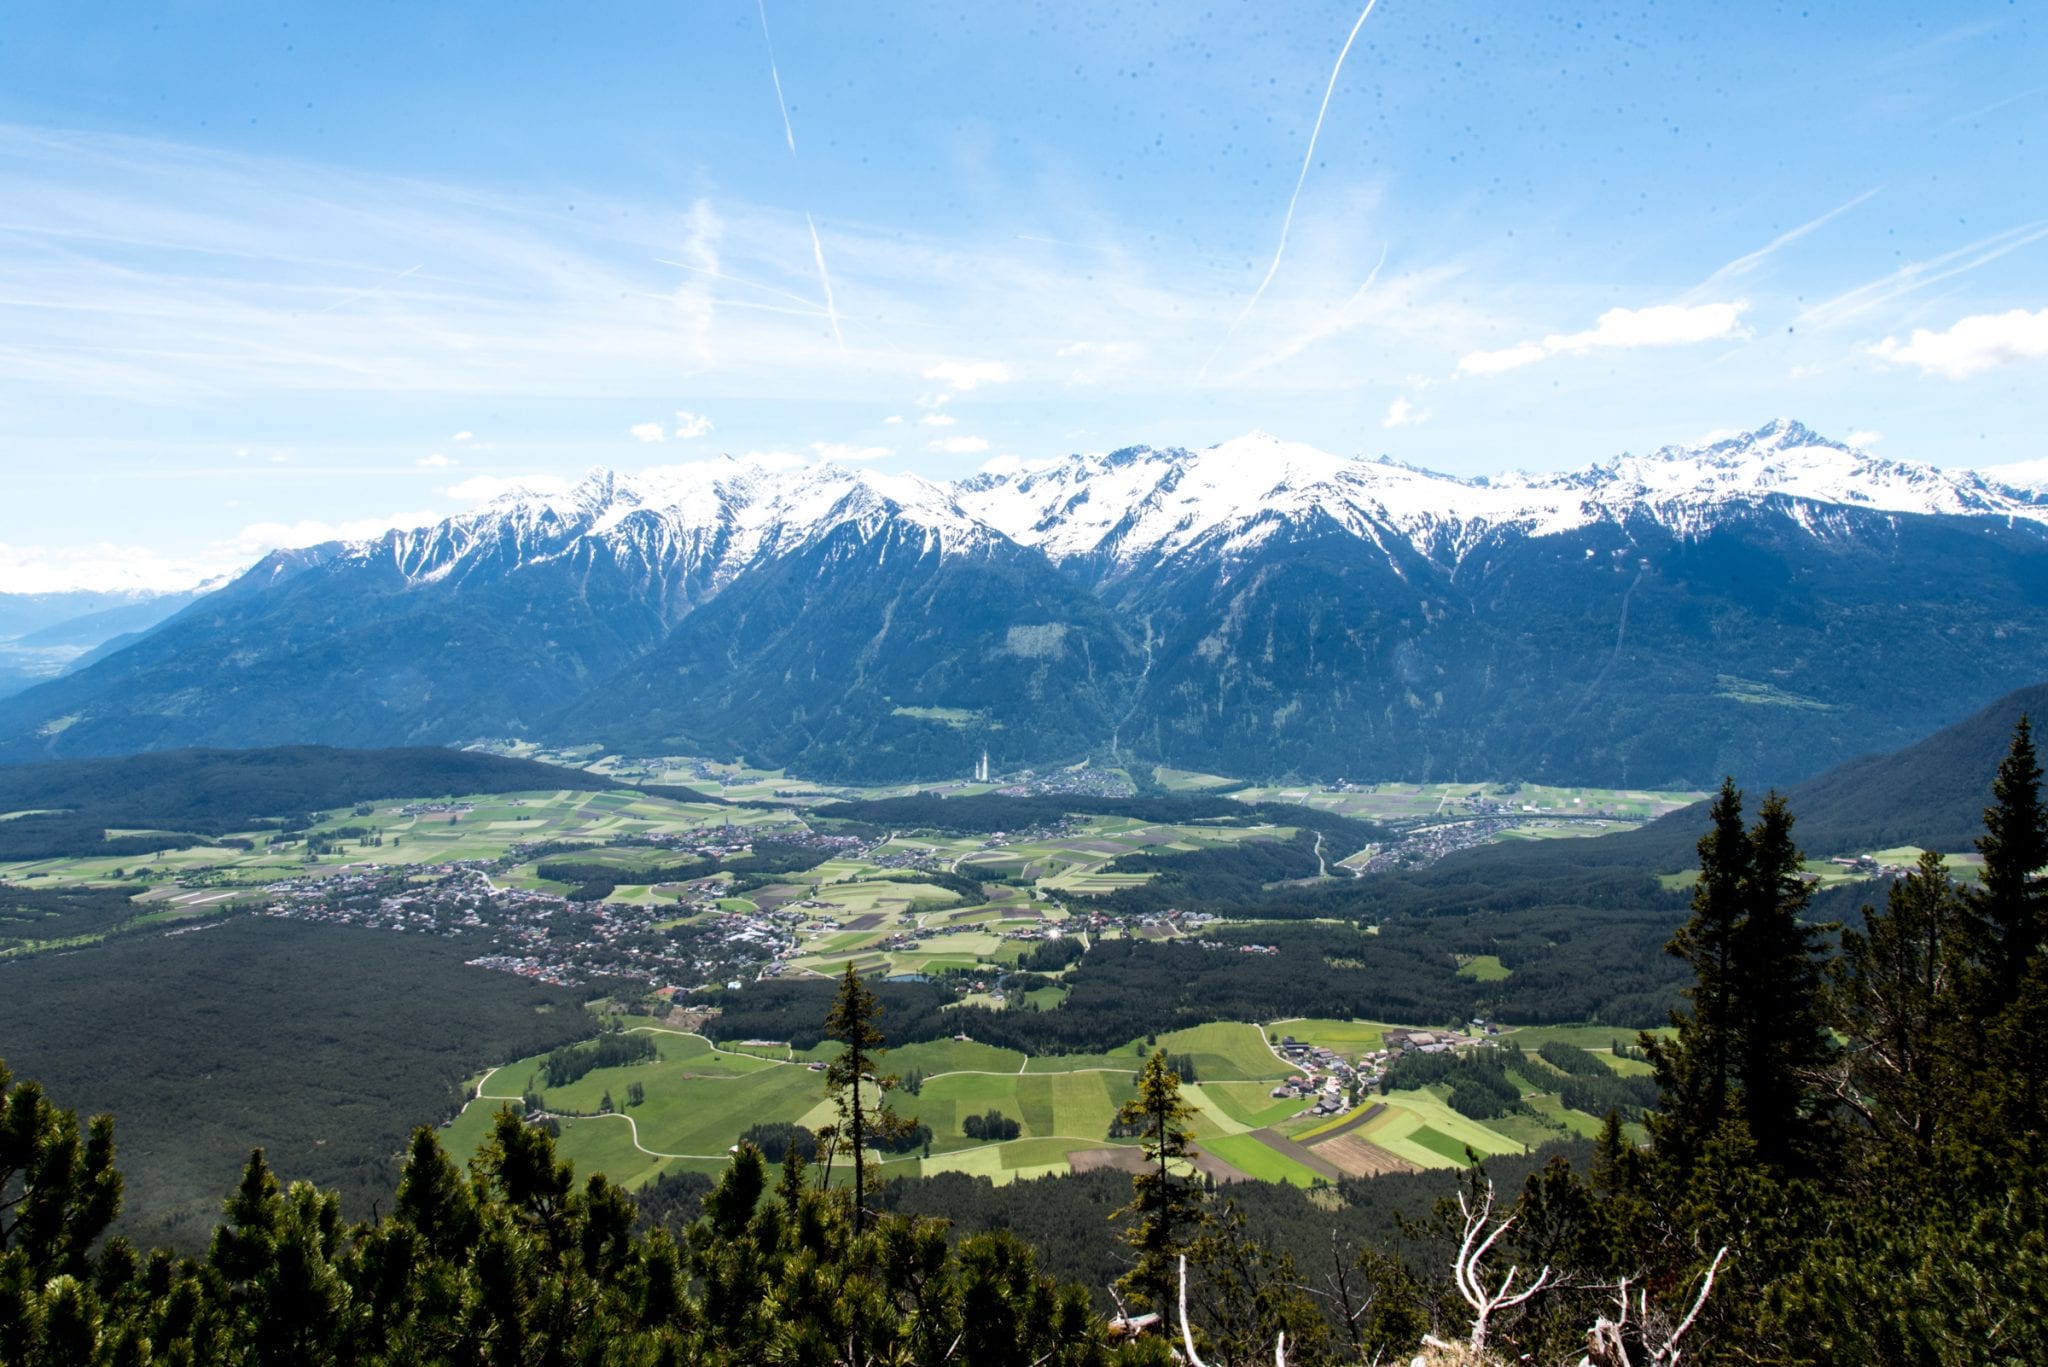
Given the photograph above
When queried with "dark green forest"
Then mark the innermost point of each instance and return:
(321, 1043)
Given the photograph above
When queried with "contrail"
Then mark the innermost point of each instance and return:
(776, 76)
(831, 310)
(1288, 222)
(789, 134)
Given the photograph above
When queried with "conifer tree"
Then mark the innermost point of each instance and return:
(1165, 1205)
(2011, 904)
(2008, 1016)
(1754, 1042)
(58, 1189)
(1897, 999)
(851, 1077)
(1695, 1070)
(1779, 1005)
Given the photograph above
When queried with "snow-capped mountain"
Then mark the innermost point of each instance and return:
(711, 520)
(1257, 607)
(1140, 503)
(707, 520)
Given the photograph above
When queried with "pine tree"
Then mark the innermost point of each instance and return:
(58, 1190)
(1695, 1070)
(850, 1077)
(1779, 1005)
(1165, 1205)
(1897, 999)
(1754, 1042)
(2011, 904)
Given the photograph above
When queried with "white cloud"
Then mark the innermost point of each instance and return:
(938, 420)
(1863, 437)
(965, 375)
(484, 488)
(647, 431)
(437, 461)
(1494, 362)
(260, 537)
(1002, 465)
(960, 446)
(1657, 326)
(1980, 342)
(839, 450)
(104, 568)
(1401, 413)
(690, 426)
(894, 420)
(463, 436)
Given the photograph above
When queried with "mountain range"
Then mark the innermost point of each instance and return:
(1768, 604)
(43, 635)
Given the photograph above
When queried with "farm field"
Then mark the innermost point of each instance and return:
(699, 1098)
(487, 830)
(1419, 801)
(1485, 968)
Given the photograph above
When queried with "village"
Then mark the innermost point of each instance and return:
(1333, 1084)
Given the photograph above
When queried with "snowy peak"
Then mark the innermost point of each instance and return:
(1141, 503)
(1786, 459)
(710, 520)
(714, 517)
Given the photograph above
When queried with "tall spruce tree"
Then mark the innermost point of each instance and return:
(1755, 1039)
(1695, 1069)
(2011, 902)
(1778, 998)
(2009, 931)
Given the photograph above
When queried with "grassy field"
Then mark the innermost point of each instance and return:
(1422, 1128)
(1188, 780)
(699, 1099)
(1250, 1103)
(1534, 811)
(1598, 1039)
(1255, 1159)
(1485, 968)
(1349, 1038)
(494, 823)
(1226, 1051)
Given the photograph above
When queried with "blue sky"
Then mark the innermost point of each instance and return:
(267, 273)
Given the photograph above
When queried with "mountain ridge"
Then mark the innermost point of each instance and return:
(1258, 607)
